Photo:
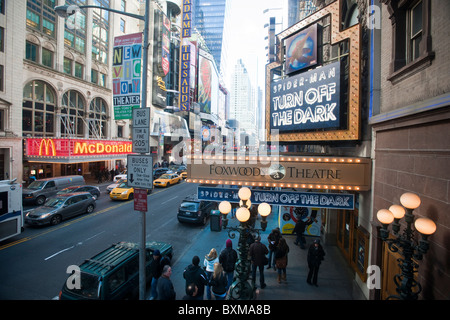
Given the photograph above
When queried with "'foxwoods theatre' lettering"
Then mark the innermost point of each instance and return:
(308, 100)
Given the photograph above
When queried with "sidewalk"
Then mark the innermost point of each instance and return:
(334, 281)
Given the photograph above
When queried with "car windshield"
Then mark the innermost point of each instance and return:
(89, 286)
(189, 206)
(123, 185)
(54, 202)
(67, 190)
(36, 185)
(166, 176)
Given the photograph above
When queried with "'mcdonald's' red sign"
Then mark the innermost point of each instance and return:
(48, 147)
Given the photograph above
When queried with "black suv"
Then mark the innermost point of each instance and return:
(193, 210)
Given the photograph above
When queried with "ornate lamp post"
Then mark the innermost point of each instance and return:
(241, 289)
(407, 287)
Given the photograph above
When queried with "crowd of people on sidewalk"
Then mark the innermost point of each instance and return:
(216, 274)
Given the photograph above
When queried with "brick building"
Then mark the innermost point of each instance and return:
(411, 127)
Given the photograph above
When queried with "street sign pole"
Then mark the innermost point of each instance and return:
(142, 246)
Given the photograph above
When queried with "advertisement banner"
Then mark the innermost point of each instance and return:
(126, 72)
(301, 50)
(306, 101)
(282, 198)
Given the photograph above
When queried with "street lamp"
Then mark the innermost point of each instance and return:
(66, 11)
(241, 289)
(407, 287)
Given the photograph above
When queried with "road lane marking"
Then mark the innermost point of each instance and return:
(61, 251)
(25, 239)
(169, 200)
(78, 244)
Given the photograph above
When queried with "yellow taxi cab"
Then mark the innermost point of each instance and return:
(183, 175)
(167, 179)
(122, 192)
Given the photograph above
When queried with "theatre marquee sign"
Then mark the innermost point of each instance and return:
(330, 173)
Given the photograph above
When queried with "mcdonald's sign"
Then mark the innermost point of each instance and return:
(47, 148)
(64, 148)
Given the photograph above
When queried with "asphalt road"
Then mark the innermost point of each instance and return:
(33, 265)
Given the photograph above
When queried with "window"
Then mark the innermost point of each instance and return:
(75, 28)
(42, 17)
(122, 25)
(415, 31)
(67, 65)
(2, 77)
(411, 33)
(47, 58)
(94, 76)
(31, 51)
(98, 118)
(2, 39)
(100, 32)
(72, 114)
(38, 109)
(79, 70)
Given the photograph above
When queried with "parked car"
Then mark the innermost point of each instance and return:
(194, 210)
(113, 274)
(122, 192)
(159, 172)
(167, 179)
(61, 207)
(114, 185)
(94, 190)
(38, 191)
(177, 168)
(183, 175)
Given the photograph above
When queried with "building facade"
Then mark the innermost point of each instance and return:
(411, 133)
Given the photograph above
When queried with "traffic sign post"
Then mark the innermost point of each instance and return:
(141, 127)
(140, 200)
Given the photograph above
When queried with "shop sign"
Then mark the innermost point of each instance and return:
(46, 147)
(282, 198)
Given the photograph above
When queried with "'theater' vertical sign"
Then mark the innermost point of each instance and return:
(185, 59)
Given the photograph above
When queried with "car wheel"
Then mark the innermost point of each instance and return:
(131, 196)
(90, 208)
(40, 200)
(56, 220)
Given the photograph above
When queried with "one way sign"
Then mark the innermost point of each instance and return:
(140, 171)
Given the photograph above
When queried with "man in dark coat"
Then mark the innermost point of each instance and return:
(257, 254)
(193, 273)
(227, 259)
(299, 229)
(165, 286)
(273, 238)
(315, 257)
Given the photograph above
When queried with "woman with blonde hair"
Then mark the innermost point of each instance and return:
(219, 282)
(209, 261)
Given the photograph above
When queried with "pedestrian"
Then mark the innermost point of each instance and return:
(155, 271)
(191, 292)
(315, 257)
(281, 259)
(208, 262)
(228, 258)
(299, 230)
(218, 282)
(165, 286)
(257, 253)
(193, 273)
(273, 239)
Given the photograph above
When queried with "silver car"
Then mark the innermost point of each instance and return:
(61, 207)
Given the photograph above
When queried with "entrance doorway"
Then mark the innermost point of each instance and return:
(71, 169)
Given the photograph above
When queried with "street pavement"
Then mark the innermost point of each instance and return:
(334, 281)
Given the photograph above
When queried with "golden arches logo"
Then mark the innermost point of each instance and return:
(46, 145)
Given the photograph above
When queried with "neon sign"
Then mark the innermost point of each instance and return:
(45, 147)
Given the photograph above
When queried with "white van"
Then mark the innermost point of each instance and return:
(38, 191)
